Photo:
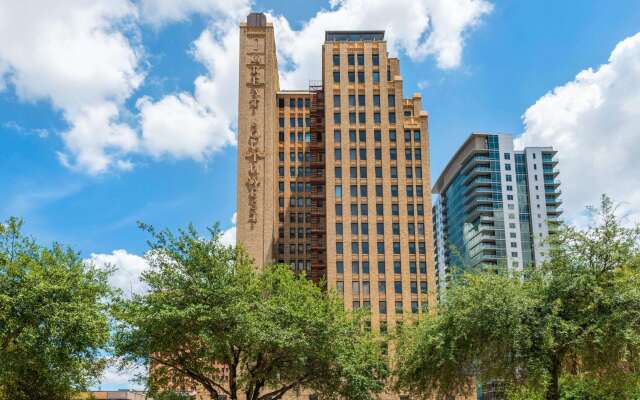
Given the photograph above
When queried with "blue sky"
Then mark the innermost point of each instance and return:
(116, 111)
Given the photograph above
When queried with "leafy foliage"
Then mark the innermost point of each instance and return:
(53, 318)
(575, 318)
(213, 319)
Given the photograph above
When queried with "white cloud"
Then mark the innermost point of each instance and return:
(593, 122)
(229, 236)
(128, 269)
(418, 28)
(204, 122)
(76, 54)
(180, 116)
(114, 379)
(158, 12)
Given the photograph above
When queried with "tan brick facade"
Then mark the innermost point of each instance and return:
(340, 191)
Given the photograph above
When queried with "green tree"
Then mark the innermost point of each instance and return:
(574, 319)
(213, 319)
(54, 318)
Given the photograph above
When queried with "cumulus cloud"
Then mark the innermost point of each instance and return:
(593, 122)
(229, 236)
(114, 378)
(158, 12)
(77, 55)
(128, 268)
(200, 132)
(204, 121)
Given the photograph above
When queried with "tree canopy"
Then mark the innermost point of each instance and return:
(573, 321)
(54, 318)
(212, 319)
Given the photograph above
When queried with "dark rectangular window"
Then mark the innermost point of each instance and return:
(392, 100)
(336, 77)
(336, 59)
(375, 59)
(397, 267)
(381, 271)
(351, 59)
(336, 100)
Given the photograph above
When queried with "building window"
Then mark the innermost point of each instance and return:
(375, 59)
(396, 247)
(336, 59)
(336, 77)
(382, 307)
(336, 118)
(380, 248)
(392, 100)
(339, 248)
(376, 77)
(392, 118)
(339, 267)
(336, 100)
(376, 100)
(352, 77)
(351, 59)
(339, 229)
(338, 191)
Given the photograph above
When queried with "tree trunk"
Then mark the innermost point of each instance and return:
(553, 388)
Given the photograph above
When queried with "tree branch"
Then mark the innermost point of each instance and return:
(277, 394)
(211, 386)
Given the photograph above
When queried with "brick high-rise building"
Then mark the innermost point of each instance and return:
(334, 179)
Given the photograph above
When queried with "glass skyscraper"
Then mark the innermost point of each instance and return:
(494, 206)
